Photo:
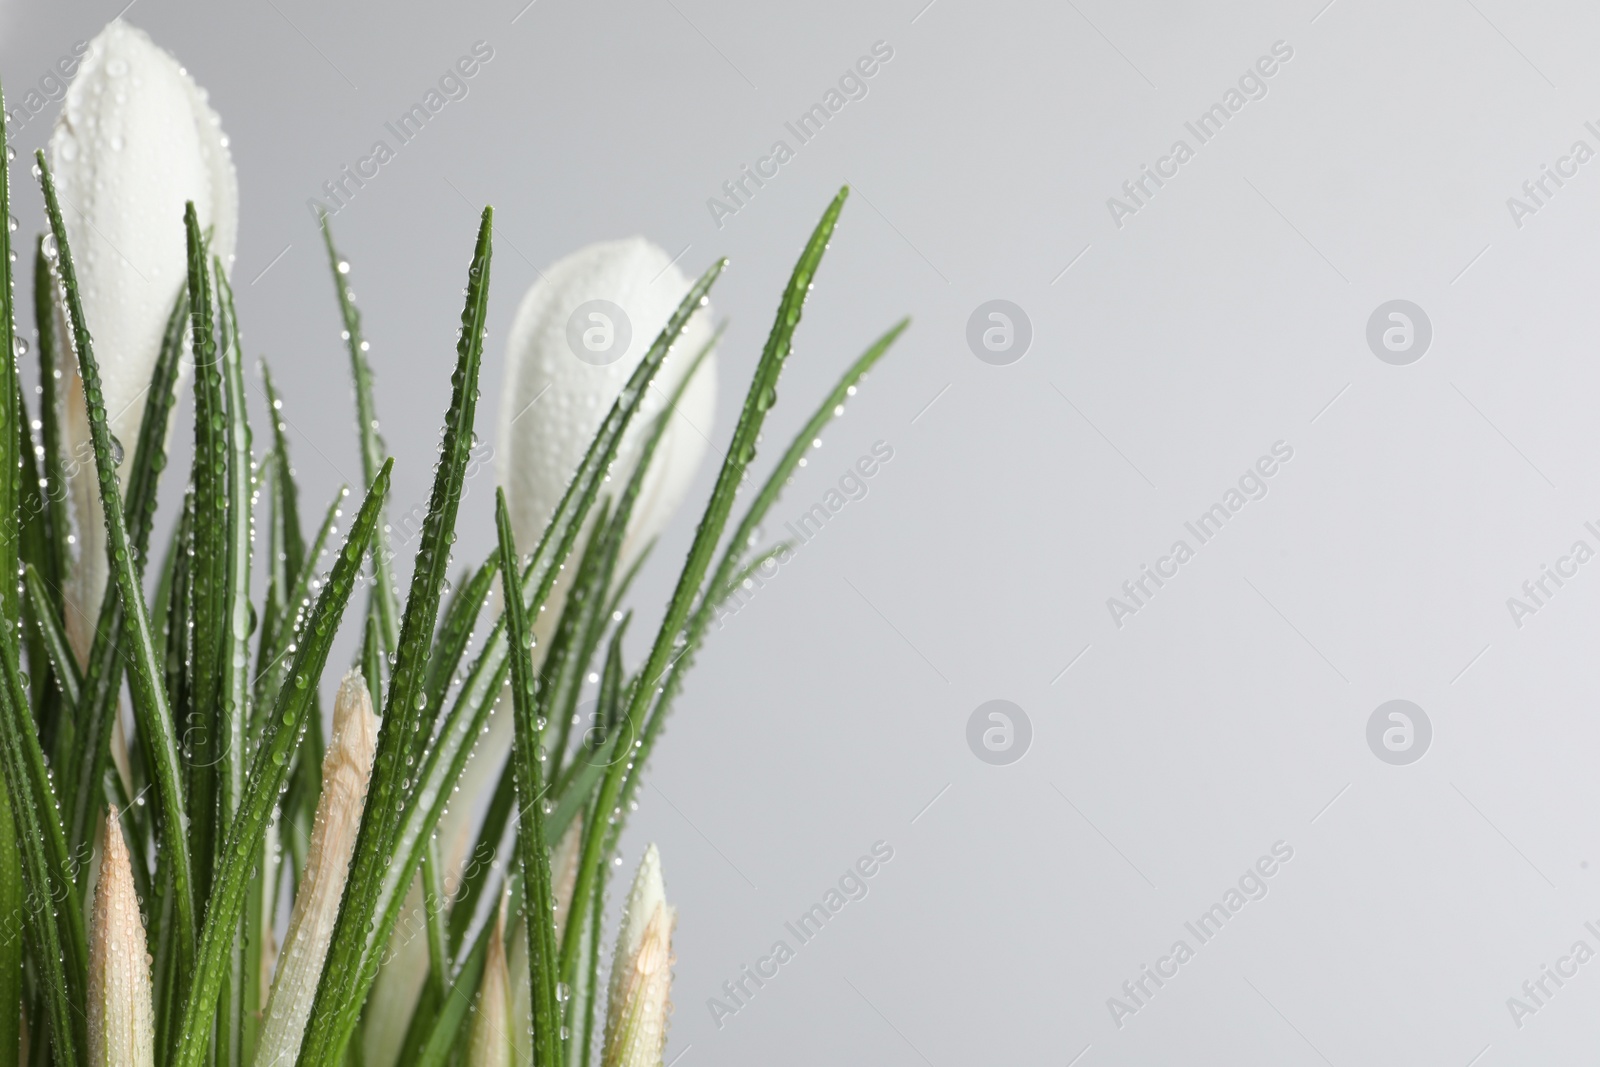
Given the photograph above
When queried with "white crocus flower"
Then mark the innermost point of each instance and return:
(578, 334)
(346, 769)
(135, 140)
(641, 973)
(121, 1019)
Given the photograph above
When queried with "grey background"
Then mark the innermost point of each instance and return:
(1225, 316)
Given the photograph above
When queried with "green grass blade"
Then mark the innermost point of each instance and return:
(55, 920)
(475, 874)
(272, 670)
(11, 534)
(300, 804)
(742, 449)
(35, 546)
(12, 898)
(10, 413)
(373, 451)
(371, 661)
(337, 1005)
(175, 625)
(45, 918)
(55, 488)
(772, 488)
(149, 455)
(273, 607)
(268, 772)
(103, 679)
(600, 750)
(288, 541)
(453, 741)
(456, 633)
(585, 605)
(565, 660)
(234, 682)
(53, 637)
(591, 995)
(208, 565)
(433, 914)
(726, 579)
(539, 915)
(152, 713)
(166, 579)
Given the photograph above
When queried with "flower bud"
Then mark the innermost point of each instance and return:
(641, 973)
(489, 1044)
(121, 1019)
(578, 334)
(135, 140)
(346, 769)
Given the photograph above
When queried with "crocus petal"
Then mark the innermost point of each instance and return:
(121, 1019)
(346, 769)
(135, 140)
(555, 400)
(489, 1044)
(641, 974)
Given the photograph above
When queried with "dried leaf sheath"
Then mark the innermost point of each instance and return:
(121, 1018)
(490, 1044)
(345, 771)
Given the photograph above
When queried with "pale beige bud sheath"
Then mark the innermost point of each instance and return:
(490, 1043)
(641, 973)
(121, 1019)
(346, 770)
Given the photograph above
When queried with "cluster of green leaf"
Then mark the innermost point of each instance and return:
(223, 761)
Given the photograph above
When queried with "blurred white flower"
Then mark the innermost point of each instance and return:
(346, 770)
(641, 973)
(121, 1019)
(135, 140)
(578, 334)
